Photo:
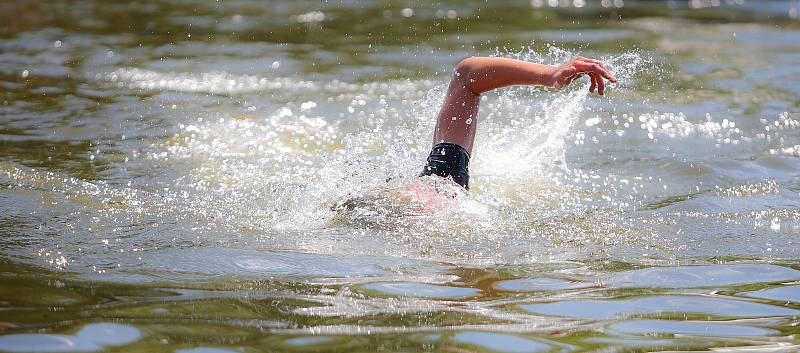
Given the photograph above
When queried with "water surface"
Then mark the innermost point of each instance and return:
(241, 177)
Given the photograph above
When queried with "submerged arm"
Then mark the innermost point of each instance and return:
(458, 117)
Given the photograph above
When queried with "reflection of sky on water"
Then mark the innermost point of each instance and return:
(501, 343)
(606, 309)
(701, 276)
(90, 338)
(205, 350)
(784, 294)
(411, 289)
(651, 327)
(540, 283)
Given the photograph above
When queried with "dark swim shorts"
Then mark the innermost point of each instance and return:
(449, 160)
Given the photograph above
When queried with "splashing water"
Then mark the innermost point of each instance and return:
(274, 185)
(276, 174)
(267, 177)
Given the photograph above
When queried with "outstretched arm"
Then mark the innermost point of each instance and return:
(475, 75)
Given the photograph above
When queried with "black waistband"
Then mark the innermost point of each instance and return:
(449, 160)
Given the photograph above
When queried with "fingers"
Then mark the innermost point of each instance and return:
(587, 66)
(597, 83)
(596, 80)
(602, 72)
(601, 86)
(593, 61)
(595, 69)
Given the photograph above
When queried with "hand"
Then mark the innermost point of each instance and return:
(563, 75)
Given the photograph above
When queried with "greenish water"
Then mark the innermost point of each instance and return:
(211, 177)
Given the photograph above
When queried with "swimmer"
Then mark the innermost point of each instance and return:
(455, 126)
(455, 133)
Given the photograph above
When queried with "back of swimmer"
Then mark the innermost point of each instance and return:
(454, 134)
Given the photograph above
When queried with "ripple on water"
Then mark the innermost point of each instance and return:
(604, 309)
(233, 262)
(785, 294)
(119, 278)
(540, 284)
(694, 328)
(593, 35)
(412, 289)
(702, 276)
(205, 350)
(501, 343)
(308, 341)
(90, 338)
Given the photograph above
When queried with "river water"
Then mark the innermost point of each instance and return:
(239, 176)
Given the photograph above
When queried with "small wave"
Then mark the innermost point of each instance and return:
(209, 82)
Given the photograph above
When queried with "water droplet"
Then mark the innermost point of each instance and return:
(775, 224)
(305, 106)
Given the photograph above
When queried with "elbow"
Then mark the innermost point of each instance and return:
(465, 71)
(465, 66)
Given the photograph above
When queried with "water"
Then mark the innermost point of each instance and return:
(240, 177)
